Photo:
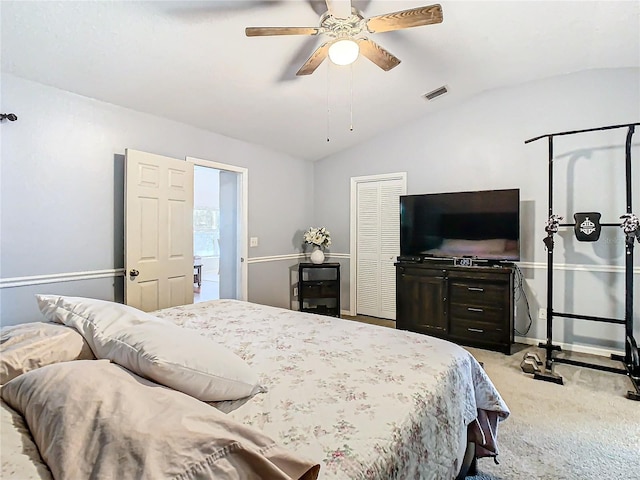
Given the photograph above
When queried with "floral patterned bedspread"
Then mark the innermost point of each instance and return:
(366, 402)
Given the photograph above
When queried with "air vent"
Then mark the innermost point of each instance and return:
(436, 93)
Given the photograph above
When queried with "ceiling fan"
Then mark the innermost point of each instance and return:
(348, 36)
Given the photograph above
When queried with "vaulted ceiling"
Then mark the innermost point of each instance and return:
(191, 61)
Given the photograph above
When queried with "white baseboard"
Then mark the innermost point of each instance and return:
(601, 351)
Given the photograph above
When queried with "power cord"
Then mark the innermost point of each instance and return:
(521, 293)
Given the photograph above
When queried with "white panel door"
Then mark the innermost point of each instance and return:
(377, 245)
(158, 231)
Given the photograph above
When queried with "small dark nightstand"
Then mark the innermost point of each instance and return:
(319, 288)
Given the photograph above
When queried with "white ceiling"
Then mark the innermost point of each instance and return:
(191, 61)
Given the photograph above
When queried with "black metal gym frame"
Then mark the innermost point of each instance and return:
(631, 359)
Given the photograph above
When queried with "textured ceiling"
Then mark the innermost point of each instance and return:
(191, 61)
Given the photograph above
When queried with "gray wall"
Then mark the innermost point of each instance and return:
(62, 182)
(479, 144)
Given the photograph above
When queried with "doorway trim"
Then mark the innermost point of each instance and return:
(243, 228)
(353, 222)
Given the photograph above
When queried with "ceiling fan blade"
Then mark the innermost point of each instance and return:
(414, 17)
(377, 54)
(306, 47)
(315, 60)
(267, 31)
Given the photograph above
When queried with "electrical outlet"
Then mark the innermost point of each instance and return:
(542, 313)
(253, 242)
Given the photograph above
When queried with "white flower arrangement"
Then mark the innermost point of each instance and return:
(318, 236)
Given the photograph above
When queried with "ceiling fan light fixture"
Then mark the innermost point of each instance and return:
(344, 52)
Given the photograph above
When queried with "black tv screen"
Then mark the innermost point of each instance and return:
(482, 224)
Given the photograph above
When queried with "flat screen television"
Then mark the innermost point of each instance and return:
(484, 225)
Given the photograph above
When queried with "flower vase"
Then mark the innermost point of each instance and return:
(317, 256)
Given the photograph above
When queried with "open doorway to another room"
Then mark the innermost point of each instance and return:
(220, 230)
(206, 234)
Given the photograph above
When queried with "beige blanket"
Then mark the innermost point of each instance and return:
(96, 420)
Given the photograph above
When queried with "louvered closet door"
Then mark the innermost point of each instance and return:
(378, 245)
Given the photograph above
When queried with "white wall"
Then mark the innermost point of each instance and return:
(62, 187)
(479, 144)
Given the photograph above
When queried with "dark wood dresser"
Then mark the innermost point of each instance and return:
(467, 305)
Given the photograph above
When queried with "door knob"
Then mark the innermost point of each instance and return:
(133, 273)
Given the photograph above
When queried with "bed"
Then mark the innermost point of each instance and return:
(359, 401)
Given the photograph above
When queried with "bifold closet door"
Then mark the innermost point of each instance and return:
(378, 245)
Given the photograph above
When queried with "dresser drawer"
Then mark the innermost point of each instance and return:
(473, 313)
(477, 293)
(477, 332)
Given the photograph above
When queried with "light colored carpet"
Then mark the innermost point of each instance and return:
(383, 322)
(585, 429)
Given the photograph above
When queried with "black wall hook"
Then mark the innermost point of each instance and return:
(12, 117)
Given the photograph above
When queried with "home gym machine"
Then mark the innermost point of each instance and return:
(587, 228)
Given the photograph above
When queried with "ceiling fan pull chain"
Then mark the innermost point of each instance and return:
(351, 98)
(328, 109)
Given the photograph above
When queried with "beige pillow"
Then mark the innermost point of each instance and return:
(20, 457)
(33, 345)
(94, 419)
(155, 348)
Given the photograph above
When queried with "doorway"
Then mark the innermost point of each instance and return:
(219, 231)
(206, 233)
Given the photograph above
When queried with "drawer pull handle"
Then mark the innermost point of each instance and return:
(475, 289)
(471, 309)
(477, 330)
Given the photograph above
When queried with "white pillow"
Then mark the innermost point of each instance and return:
(155, 348)
(49, 306)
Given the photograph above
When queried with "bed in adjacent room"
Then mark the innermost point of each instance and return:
(359, 400)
